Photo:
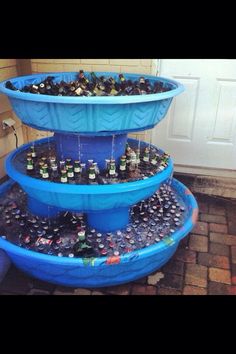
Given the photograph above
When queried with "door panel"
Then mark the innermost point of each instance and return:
(200, 127)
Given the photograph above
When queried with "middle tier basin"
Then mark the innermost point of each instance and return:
(96, 200)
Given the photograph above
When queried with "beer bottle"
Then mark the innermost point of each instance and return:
(94, 77)
(92, 175)
(127, 147)
(158, 85)
(44, 159)
(41, 164)
(95, 165)
(122, 163)
(68, 163)
(9, 85)
(122, 78)
(77, 171)
(112, 169)
(155, 159)
(45, 173)
(132, 159)
(123, 84)
(63, 176)
(62, 91)
(164, 161)
(122, 167)
(52, 160)
(107, 161)
(79, 91)
(146, 155)
(33, 153)
(142, 85)
(128, 152)
(113, 91)
(30, 165)
(77, 167)
(34, 89)
(70, 173)
(81, 235)
(137, 157)
(84, 175)
(148, 86)
(26, 88)
(42, 88)
(54, 169)
(107, 86)
(82, 79)
(129, 87)
(62, 165)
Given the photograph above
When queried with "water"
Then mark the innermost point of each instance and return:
(113, 146)
(79, 148)
(68, 234)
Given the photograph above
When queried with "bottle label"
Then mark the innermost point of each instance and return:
(45, 175)
(146, 158)
(63, 179)
(122, 167)
(33, 154)
(41, 171)
(112, 172)
(77, 169)
(92, 176)
(30, 167)
(70, 174)
(154, 162)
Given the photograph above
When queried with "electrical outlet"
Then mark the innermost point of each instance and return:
(9, 122)
(4, 130)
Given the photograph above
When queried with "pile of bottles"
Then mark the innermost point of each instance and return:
(68, 235)
(93, 85)
(135, 164)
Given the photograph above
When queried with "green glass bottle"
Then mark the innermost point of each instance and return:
(45, 174)
(63, 176)
(146, 155)
(81, 235)
(71, 175)
(68, 163)
(41, 164)
(92, 174)
(33, 152)
(155, 159)
(112, 169)
(77, 167)
(54, 174)
(123, 168)
(30, 165)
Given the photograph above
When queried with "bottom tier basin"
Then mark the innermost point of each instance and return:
(104, 271)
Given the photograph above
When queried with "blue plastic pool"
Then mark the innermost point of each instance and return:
(96, 115)
(104, 271)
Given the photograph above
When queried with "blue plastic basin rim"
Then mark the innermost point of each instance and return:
(96, 99)
(101, 261)
(80, 189)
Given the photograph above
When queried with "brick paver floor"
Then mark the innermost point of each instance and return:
(204, 264)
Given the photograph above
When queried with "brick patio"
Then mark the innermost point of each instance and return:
(204, 264)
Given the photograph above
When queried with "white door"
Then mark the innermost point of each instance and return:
(200, 128)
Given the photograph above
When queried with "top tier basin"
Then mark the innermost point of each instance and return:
(90, 115)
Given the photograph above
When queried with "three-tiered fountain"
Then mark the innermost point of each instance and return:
(93, 127)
